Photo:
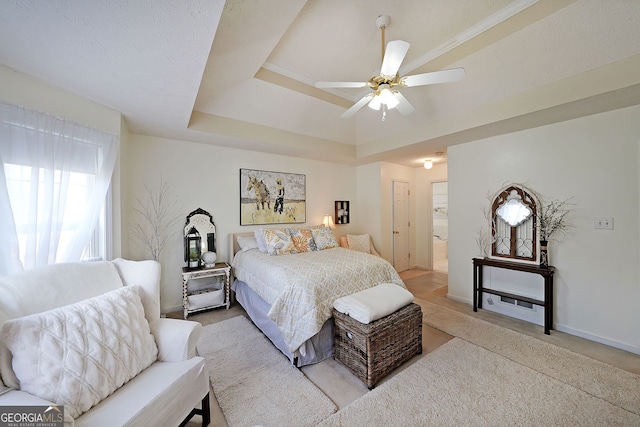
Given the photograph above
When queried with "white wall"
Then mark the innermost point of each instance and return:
(208, 177)
(595, 161)
(368, 215)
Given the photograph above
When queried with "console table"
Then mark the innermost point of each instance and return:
(546, 273)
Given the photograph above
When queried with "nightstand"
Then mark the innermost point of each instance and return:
(205, 288)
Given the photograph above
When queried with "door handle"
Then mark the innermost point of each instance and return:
(396, 232)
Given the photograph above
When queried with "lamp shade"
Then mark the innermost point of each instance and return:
(328, 221)
(428, 164)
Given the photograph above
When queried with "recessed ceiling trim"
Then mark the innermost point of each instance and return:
(482, 26)
(292, 83)
(307, 81)
(234, 128)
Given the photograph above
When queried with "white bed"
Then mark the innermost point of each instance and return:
(290, 297)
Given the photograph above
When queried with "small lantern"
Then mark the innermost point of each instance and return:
(192, 248)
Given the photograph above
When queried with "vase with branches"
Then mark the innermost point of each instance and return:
(157, 218)
(551, 218)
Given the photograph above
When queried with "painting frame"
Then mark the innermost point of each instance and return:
(269, 197)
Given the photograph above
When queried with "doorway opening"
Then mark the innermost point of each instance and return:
(440, 226)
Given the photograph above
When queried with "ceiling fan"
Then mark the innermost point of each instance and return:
(385, 85)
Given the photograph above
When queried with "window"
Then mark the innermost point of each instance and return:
(56, 177)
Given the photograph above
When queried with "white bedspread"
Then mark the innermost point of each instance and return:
(302, 288)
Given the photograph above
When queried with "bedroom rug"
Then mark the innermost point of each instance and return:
(462, 384)
(254, 383)
(607, 382)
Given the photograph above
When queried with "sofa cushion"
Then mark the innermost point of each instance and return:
(77, 355)
(161, 395)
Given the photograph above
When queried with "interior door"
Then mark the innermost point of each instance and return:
(401, 225)
(440, 226)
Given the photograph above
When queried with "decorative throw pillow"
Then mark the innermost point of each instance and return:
(302, 239)
(324, 238)
(278, 241)
(361, 242)
(259, 235)
(79, 354)
(247, 243)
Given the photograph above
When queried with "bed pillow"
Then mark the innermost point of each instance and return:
(361, 242)
(302, 239)
(262, 245)
(323, 236)
(79, 354)
(278, 241)
(247, 243)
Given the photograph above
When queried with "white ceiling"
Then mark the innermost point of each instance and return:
(241, 73)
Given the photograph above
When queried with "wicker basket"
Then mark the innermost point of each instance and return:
(373, 350)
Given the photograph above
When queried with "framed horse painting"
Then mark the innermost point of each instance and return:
(268, 197)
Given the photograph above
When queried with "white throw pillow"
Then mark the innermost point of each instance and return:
(262, 245)
(360, 242)
(79, 354)
(247, 243)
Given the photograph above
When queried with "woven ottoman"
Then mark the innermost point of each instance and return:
(373, 350)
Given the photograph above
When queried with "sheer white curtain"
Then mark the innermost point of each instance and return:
(54, 179)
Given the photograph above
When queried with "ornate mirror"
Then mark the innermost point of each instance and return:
(514, 226)
(201, 222)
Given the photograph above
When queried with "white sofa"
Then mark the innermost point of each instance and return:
(166, 393)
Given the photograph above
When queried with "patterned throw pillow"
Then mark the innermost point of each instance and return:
(79, 354)
(324, 238)
(278, 241)
(359, 242)
(302, 239)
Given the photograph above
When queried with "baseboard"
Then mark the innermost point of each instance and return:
(562, 328)
(419, 267)
(611, 343)
(172, 309)
(459, 299)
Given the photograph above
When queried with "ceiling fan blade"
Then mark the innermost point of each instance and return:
(404, 107)
(393, 56)
(435, 77)
(327, 85)
(357, 106)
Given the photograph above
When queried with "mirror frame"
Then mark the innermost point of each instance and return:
(528, 200)
(202, 221)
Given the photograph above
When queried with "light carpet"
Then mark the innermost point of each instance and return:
(607, 382)
(254, 383)
(461, 384)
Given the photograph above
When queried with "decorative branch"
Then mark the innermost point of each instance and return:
(158, 218)
(552, 218)
(484, 236)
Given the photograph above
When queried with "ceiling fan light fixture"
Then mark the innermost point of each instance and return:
(387, 98)
(375, 103)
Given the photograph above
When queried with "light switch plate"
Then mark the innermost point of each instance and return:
(603, 223)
